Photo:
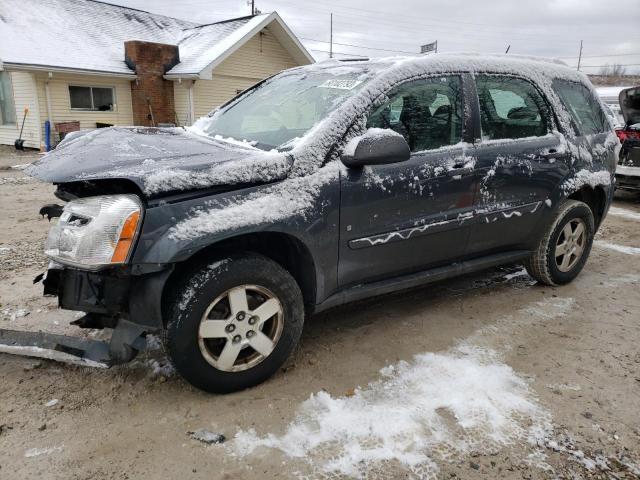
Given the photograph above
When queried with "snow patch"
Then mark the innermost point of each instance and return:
(372, 134)
(295, 197)
(624, 213)
(417, 412)
(37, 452)
(618, 248)
(520, 273)
(586, 177)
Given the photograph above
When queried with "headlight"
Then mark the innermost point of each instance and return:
(96, 231)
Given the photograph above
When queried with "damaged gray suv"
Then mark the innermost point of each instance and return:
(319, 186)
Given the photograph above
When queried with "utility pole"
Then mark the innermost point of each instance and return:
(253, 7)
(580, 55)
(331, 37)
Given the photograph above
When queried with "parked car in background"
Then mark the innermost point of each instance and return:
(610, 98)
(628, 169)
(323, 185)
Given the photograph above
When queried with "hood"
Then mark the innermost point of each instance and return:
(159, 160)
(630, 105)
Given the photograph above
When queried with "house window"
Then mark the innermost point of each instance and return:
(101, 99)
(7, 106)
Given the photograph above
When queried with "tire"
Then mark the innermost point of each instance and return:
(201, 348)
(544, 265)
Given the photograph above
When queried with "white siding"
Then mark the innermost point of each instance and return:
(25, 96)
(61, 108)
(261, 57)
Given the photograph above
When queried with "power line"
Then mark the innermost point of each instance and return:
(600, 66)
(359, 46)
(601, 56)
(338, 53)
(440, 20)
(415, 53)
(391, 19)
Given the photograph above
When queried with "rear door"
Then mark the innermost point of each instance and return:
(520, 162)
(408, 216)
(590, 124)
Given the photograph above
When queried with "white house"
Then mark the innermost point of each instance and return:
(95, 63)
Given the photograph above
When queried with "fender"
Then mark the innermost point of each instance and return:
(174, 232)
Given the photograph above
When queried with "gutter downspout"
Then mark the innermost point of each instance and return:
(47, 95)
(191, 108)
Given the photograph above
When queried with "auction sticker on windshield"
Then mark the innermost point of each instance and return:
(342, 84)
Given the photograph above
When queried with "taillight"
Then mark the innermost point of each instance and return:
(627, 134)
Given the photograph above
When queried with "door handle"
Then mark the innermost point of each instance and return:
(551, 153)
(459, 169)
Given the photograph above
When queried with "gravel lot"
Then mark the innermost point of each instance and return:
(511, 380)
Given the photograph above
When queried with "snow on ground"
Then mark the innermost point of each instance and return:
(618, 248)
(432, 407)
(624, 213)
(435, 407)
(37, 452)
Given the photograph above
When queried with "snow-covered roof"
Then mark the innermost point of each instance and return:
(203, 47)
(88, 35)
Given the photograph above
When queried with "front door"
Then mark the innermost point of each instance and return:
(405, 217)
(520, 162)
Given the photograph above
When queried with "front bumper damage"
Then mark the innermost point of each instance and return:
(127, 300)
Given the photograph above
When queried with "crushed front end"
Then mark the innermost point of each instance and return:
(90, 247)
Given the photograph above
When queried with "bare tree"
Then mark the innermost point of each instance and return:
(614, 70)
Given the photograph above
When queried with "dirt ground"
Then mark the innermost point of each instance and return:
(575, 346)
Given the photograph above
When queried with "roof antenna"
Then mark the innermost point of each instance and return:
(254, 10)
(507, 51)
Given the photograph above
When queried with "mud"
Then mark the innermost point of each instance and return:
(582, 365)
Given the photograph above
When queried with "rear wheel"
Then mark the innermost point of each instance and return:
(564, 248)
(233, 323)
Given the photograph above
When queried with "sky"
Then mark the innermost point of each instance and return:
(610, 30)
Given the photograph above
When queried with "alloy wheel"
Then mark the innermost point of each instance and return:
(570, 244)
(240, 328)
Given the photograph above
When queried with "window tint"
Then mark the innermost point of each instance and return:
(427, 113)
(91, 98)
(582, 106)
(7, 107)
(510, 108)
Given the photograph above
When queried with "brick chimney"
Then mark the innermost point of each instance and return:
(151, 94)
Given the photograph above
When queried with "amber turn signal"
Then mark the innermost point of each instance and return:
(125, 241)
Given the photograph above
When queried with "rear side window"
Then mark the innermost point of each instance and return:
(510, 108)
(583, 107)
(427, 113)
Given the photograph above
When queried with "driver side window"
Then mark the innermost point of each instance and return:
(427, 113)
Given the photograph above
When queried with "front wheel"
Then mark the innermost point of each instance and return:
(233, 323)
(564, 248)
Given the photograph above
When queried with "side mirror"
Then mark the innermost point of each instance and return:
(376, 147)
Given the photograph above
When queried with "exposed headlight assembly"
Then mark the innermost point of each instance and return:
(95, 232)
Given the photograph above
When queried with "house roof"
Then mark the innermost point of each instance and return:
(89, 36)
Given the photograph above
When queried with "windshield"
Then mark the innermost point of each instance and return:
(283, 109)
